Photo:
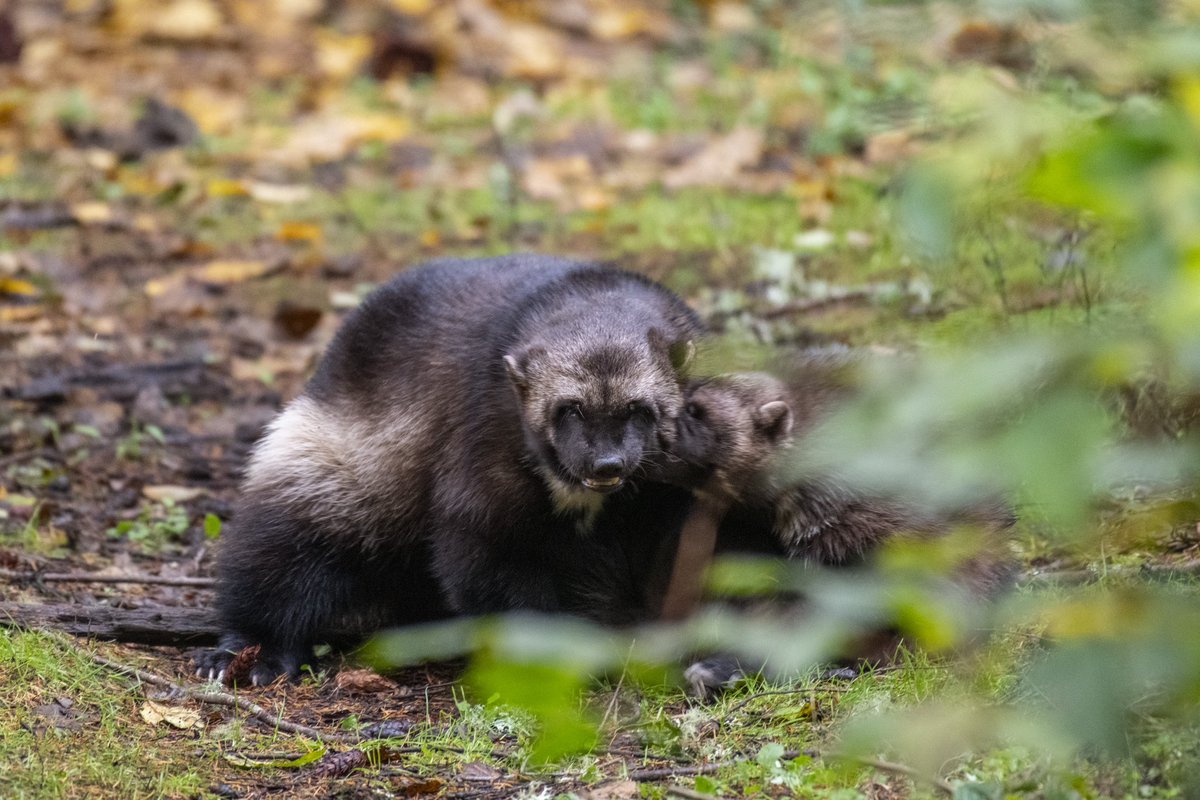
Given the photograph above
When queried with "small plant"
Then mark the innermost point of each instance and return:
(133, 446)
(155, 526)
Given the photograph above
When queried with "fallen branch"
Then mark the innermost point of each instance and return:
(222, 699)
(92, 577)
(1077, 576)
(690, 794)
(666, 773)
(159, 625)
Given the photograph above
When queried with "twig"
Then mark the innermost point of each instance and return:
(221, 699)
(16, 458)
(753, 697)
(691, 794)
(667, 773)
(905, 770)
(1074, 576)
(91, 577)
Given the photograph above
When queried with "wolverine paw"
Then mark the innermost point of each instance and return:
(711, 676)
(236, 661)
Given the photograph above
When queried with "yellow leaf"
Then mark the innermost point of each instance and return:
(299, 232)
(178, 494)
(26, 313)
(91, 213)
(382, 127)
(187, 20)
(224, 187)
(225, 272)
(16, 286)
(430, 238)
(339, 55)
(8, 164)
(177, 717)
(534, 52)
(214, 111)
(157, 287)
(413, 7)
(278, 193)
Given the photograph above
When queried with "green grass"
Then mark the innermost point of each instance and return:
(112, 754)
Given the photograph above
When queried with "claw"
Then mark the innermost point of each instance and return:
(220, 677)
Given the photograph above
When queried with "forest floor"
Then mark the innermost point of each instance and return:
(194, 193)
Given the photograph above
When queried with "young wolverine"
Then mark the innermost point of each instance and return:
(458, 438)
(738, 432)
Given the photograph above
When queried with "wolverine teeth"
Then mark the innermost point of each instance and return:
(601, 483)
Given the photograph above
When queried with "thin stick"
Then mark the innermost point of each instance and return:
(905, 770)
(690, 794)
(90, 577)
(220, 699)
(1076, 576)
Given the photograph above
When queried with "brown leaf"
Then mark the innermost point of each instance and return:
(419, 788)
(615, 790)
(363, 681)
(479, 771)
(176, 716)
(297, 320)
(720, 161)
(224, 272)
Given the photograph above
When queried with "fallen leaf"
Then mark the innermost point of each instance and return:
(339, 56)
(479, 771)
(282, 194)
(227, 272)
(413, 7)
(719, 161)
(363, 681)
(297, 320)
(184, 20)
(299, 232)
(17, 287)
(92, 213)
(889, 147)
(615, 790)
(154, 713)
(177, 494)
(224, 187)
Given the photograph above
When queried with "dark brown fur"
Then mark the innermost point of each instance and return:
(450, 453)
(738, 438)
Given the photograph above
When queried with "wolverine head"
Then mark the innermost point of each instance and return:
(595, 407)
(732, 428)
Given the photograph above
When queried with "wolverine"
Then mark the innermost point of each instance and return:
(451, 453)
(735, 439)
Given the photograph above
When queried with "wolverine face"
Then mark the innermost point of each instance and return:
(593, 417)
(732, 426)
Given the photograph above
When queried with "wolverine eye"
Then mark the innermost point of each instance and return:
(642, 410)
(567, 408)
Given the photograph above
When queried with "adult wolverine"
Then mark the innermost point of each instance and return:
(450, 453)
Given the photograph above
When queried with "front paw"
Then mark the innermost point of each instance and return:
(237, 661)
(711, 676)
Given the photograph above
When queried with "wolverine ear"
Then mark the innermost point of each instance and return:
(680, 353)
(774, 419)
(515, 373)
(517, 366)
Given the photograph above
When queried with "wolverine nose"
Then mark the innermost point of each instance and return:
(608, 467)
